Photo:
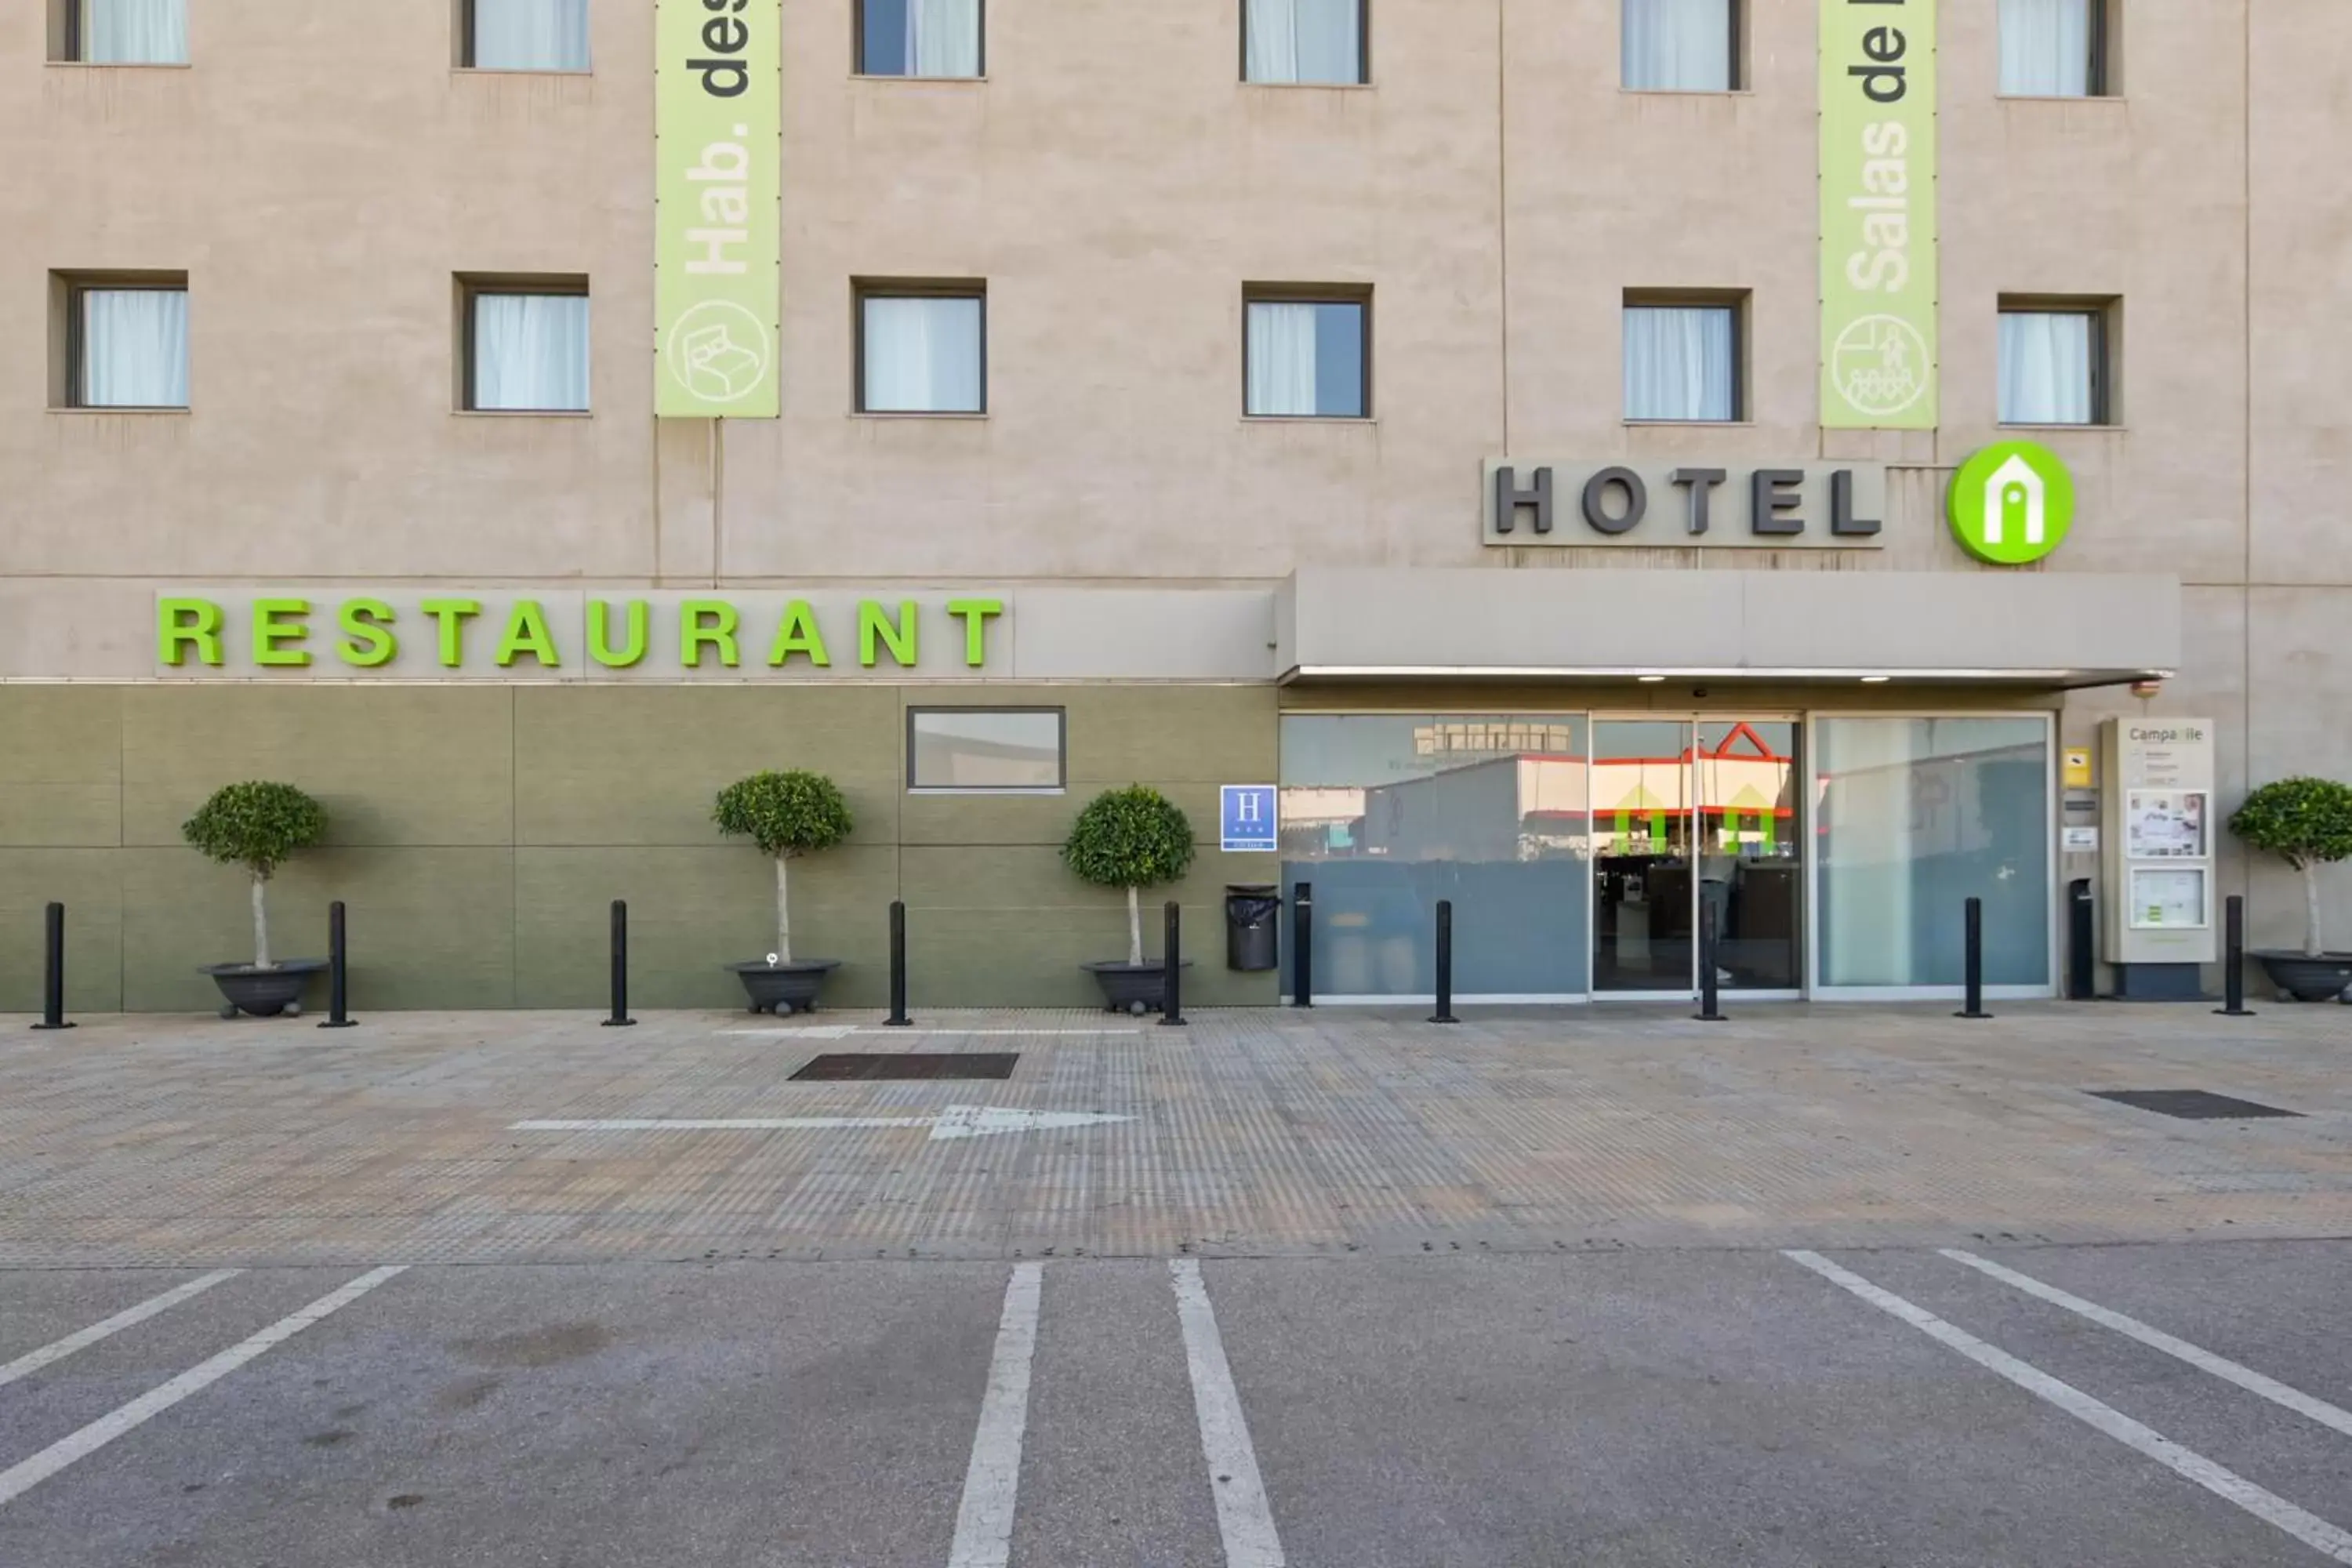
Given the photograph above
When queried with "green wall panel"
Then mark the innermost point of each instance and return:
(89, 882)
(61, 767)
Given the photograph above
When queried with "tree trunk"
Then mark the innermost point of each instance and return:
(2312, 946)
(1134, 929)
(260, 925)
(784, 916)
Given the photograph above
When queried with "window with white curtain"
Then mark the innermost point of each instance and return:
(1680, 46)
(2053, 49)
(1682, 363)
(131, 32)
(526, 353)
(919, 37)
(922, 353)
(1307, 358)
(129, 348)
(527, 35)
(2053, 368)
(1303, 41)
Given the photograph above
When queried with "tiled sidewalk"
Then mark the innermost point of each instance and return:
(139, 1141)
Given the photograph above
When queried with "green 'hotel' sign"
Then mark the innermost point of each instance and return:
(718, 151)
(1878, 214)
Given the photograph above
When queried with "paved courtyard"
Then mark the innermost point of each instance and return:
(1813, 1289)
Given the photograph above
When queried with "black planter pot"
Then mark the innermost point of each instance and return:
(272, 992)
(1137, 988)
(2309, 979)
(785, 988)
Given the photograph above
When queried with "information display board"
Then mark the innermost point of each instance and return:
(2156, 854)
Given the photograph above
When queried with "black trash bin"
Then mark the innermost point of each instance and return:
(1252, 911)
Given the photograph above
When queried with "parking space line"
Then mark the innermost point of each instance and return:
(20, 1479)
(2308, 1528)
(1245, 1519)
(984, 1535)
(2334, 1416)
(50, 1354)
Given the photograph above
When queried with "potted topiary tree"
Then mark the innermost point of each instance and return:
(1131, 838)
(2307, 822)
(258, 827)
(787, 815)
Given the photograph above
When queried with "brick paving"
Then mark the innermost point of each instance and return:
(139, 1141)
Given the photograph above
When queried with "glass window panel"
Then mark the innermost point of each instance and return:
(922, 355)
(1305, 359)
(1677, 45)
(529, 35)
(2048, 367)
(1914, 817)
(134, 349)
(919, 37)
(2047, 47)
(984, 748)
(1310, 41)
(1682, 363)
(134, 32)
(1387, 814)
(1750, 850)
(531, 352)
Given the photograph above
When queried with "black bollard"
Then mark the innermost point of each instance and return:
(898, 1018)
(339, 980)
(1302, 937)
(620, 1018)
(1444, 1013)
(1975, 964)
(1710, 1010)
(53, 971)
(2233, 961)
(1171, 964)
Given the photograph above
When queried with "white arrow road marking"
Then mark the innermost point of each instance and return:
(955, 1121)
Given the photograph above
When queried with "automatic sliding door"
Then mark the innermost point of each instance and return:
(1642, 887)
(1750, 853)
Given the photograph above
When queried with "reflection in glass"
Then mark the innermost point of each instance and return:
(1387, 814)
(1750, 854)
(984, 748)
(1917, 816)
(1642, 931)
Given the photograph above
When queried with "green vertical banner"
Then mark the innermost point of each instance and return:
(1878, 214)
(718, 140)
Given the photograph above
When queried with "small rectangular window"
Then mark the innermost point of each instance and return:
(121, 32)
(2054, 365)
(1307, 357)
(922, 351)
(127, 344)
(2054, 49)
(526, 346)
(986, 748)
(919, 37)
(1682, 361)
(1305, 42)
(1680, 46)
(526, 35)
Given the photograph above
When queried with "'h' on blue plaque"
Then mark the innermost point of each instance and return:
(1245, 817)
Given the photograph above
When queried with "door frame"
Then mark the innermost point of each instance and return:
(1801, 727)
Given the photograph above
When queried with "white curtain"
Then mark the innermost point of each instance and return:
(134, 348)
(1677, 45)
(530, 35)
(2045, 367)
(942, 38)
(1680, 362)
(134, 32)
(922, 356)
(1305, 41)
(2045, 48)
(1281, 358)
(530, 352)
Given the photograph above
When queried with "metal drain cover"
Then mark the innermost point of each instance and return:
(2191, 1104)
(849, 1066)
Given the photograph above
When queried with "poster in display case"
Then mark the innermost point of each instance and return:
(2165, 825)
(2168, 898)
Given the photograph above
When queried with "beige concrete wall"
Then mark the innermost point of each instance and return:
(321, 173)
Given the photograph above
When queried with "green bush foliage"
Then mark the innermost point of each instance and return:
(256, 825)
(1131, 837)
(2304, 821)
(785, 813)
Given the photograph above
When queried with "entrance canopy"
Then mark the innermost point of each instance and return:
(2042, 629)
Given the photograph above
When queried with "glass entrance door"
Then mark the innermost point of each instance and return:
(1689, 816)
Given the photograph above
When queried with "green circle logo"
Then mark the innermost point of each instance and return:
(2012, 503)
